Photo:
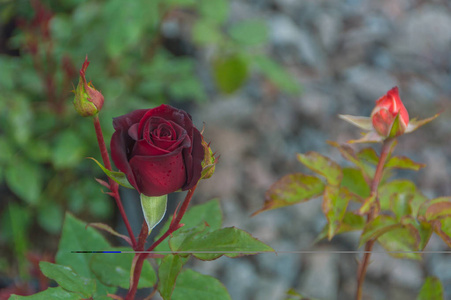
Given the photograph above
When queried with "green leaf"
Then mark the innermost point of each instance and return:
(230, 241)
(401, 239)
(215, 11)
(249, 32)
(443, 229)
(68, 150)
(322, 165)
(293, 295)
(119, 177)
(25, 180)
(369, 155)
(367, 205)
(354, 181)
(364, 123)
(113, 269)
(76, 237)
(50, 293)
(168, 271)
(335, 201)
(432, 289)
(400, 204)
(206, 33)
(154, 209)
(291, 189)
(37, 150)
(396, 187)
(68, 279)
(196, 216)
(192, 285)
(230, 73)
(277, 75)
(6, 155)
(378, 226)
(403, 162)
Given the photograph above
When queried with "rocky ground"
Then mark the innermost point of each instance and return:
(345, 55)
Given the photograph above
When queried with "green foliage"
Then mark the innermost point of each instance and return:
(192, 285)
(168, 271)
(230, 73)
(432, 289)
(113, 269)
(323, 166)
(50, 293)
(68, 279)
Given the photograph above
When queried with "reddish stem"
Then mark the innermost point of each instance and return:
(363, 265)
(175, 224)
(113, 184)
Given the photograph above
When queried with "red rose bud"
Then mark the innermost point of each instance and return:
(158, 149)
(385, 113)
(88, 101)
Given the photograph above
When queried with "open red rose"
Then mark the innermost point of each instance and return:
(158, 149)
(385, 112)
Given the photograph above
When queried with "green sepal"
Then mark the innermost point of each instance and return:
(154, 209)
(119, 177)
(364, 123)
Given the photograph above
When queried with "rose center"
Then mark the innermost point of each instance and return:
(163, 131)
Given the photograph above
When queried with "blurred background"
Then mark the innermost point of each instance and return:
(267, 77)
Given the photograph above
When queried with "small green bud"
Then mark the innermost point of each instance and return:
(209, 162)
(88, 101)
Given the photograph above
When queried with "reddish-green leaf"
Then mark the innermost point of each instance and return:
(438, 208)
(322, 165)
(354, 181)
(443, 229)
(378, 226)
(432, 289)
(388, 190)
(168, 271)
(403, 162)
(400, 204)
(401, 239)
(335, 201)
(350, 222)
(415, 124)
(367, 205)
(231, 242)
(368, 155)
(292, 189)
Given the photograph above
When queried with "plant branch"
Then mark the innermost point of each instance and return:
(374, 211)
(175, 224)
(113, 185)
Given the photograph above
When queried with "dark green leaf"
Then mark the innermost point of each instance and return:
(68, 279)
(335, 201)
(168, 271)
(198, 215)
(277, 75)
(322, 165)
(403, 162)
(192, 285)
(76, 237)
(292, 189)
(231, 241)
(113, 269)
(378, 226)
(119, 177)
(432, 289)
(50, 293)
(249, 32)
(401, 239)
(354, 181)
(25, 180)
(230, 73)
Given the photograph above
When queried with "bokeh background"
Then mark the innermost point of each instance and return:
(267, 77)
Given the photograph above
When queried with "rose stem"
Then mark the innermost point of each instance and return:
(363, 265)
(175, 224)
(113, 184)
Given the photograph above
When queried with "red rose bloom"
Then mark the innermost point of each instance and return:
(385, 112)
(158, 149)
